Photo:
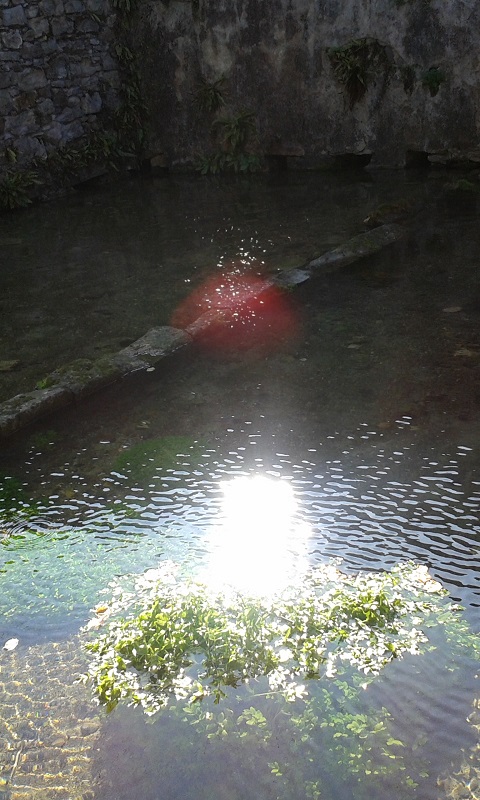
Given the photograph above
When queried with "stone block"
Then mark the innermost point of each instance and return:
(9, 56)
(97, 6)
(109, 63)
(30, 147)
(6, 102)
(51, 8)
(7, 79)
(40, 26)
(74, 7)
(12, 40)
(24, 101)
(31, 79)
(45, 107)
(61, 26)
(150, 349)
(84, 68)
(58, 69)
(87, 26)
(69, 115)
(23, 409)
(22, 124)
(91, 103)
(14, 16)
(50, 46)
(54, 133)
(73, 131)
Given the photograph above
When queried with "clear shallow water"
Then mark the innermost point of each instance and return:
(370, 415)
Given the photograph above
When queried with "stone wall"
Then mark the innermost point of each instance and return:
(60, 78)
(421, 95)
(57, 74)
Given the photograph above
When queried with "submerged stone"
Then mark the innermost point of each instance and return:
(7, 366)
(149, 350)
(82, 377)
(364, 244)
(25, 408)
(85, 376)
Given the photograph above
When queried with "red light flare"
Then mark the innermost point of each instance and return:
(233, 311)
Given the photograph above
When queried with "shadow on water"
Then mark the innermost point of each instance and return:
(371, 416)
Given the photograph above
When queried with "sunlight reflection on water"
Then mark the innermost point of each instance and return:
(259, 544)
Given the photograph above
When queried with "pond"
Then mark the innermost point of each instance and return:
(352, 434)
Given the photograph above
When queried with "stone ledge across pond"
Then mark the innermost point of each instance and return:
(80, 378)
(83, 377)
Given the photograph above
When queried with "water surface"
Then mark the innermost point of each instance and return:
(368, 413)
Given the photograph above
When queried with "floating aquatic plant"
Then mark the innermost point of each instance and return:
(276, 686)
(181, 640)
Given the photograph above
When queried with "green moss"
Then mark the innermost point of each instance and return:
(142, 460)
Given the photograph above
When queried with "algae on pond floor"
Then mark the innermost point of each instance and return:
(142, 460)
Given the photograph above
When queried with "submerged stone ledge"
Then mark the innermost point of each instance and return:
(365, 244)
(81, 378)
(25, 408)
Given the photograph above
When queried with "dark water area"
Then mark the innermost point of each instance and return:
(367, 411)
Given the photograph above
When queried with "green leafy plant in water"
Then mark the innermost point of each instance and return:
(432, 79)
(43, 439)
(255, 664)
(355, 63)
(210, 96)
(300, 634)
(235, 162)
(15, 189)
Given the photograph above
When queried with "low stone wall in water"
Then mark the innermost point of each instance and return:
(81, 378)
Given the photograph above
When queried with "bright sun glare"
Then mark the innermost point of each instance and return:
(255, 546)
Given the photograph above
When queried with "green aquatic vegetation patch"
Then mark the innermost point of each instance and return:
(142, 460)
(14, 501)
(55, 573)
(181, 640)
(276, 685)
